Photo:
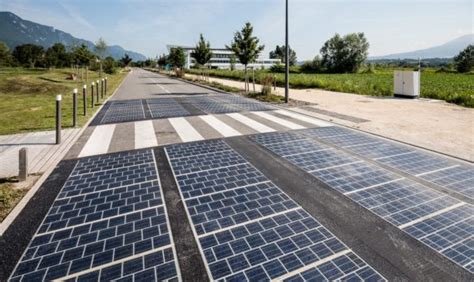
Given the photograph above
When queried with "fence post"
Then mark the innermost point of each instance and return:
(97, 90)
(92, 94)
(84, 99)
(74, 107)
(253, 78)
(106, 86)
(23, 164)
(102, 88)
(58, 119)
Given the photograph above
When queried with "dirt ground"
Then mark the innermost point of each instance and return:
(432, 124)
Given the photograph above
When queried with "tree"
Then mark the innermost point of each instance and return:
(28, 54)
(5, 56)
(312, 66)
(345, 54)
(100, 48)
(81, 55)
(280, 53)
(465, 59)
(56, 56)
(177, 57)
(126, 60)
(246, 49)
(233, 61)
(109, 65)
(162, 60)
(202, 53)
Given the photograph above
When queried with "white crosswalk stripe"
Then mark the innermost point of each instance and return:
(185, 130)
(259, 127)
(99, 141)
(220, 126)
(145, 134)
(304, 118)
(285, 123)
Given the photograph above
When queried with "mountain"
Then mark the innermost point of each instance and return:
(446, 50)
(16, 31)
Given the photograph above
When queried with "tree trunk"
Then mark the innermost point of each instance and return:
(246, 79)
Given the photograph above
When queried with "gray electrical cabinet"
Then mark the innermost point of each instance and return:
(407, 84)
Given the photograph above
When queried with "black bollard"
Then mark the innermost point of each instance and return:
(58, 119)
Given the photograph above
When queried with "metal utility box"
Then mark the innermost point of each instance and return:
(407, 84)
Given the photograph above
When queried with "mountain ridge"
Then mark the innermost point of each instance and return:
(445, 50)
(15, 31)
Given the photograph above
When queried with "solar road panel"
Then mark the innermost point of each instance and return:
(166, 108)
(122, 111)
(108, 222)
(412, 207)
(247, 227)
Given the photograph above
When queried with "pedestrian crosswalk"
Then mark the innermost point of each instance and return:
(151, 133)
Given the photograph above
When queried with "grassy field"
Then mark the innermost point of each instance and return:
(28, 98)
(451, 87)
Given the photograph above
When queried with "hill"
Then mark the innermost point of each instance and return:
(15, 31)
(446, 50)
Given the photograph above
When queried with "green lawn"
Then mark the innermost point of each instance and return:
(28, 98)
(451, 87)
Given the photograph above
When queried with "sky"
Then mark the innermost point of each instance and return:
(147, 26)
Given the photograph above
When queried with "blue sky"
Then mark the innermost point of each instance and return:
(146, 26)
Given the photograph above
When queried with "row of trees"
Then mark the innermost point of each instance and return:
(57, 56)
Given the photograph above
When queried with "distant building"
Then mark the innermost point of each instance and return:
(221, 59)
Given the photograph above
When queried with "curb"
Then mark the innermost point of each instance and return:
(32, 191)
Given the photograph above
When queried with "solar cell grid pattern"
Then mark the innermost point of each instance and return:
(165, 108)
(400, 201)
(108, 222)
(248, 228)
(122, 111)
(437, 170)
(208, 105)
(242, 103)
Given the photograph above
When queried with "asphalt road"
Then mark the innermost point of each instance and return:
(173, 181)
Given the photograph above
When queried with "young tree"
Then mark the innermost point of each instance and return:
(101, 51)
(28, 54)
(245, 47)
(202, 53)
(345, 54)
(81, 55)
(177, 57)
(56, 56)
(280, 53)
(5, 56)
(125, 60)
(465, 59)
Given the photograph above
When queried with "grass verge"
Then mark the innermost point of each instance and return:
(452, 87)
(9, 197)
(28, 98)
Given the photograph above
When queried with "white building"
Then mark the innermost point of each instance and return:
(221, 59)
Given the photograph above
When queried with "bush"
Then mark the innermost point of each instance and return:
(179, 72)
(266, 82)
(314, 66)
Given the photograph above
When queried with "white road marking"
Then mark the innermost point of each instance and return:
(251, 123)
(145, 134)
(99, 141)
(431, 215)
(304, 118)
(185, 130)
(220, 126)
(285, 123)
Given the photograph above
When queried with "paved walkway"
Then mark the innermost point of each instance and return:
(42, 150)
(431, 124)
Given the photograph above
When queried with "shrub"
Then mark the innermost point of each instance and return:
(266, 82)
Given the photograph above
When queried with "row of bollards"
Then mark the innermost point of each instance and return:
(99, 86)
(102, 84)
